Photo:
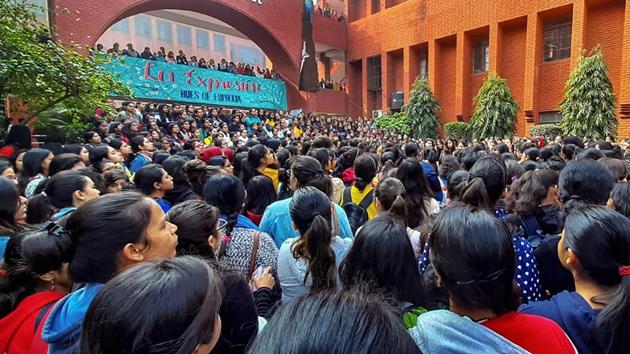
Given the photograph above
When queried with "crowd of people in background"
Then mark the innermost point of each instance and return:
(331, 85)
(330, 13)
(181, 229)
(169, 57)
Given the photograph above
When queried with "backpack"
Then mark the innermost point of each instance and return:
(357, 213)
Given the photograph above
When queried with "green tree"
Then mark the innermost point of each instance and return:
(422, 111)
(394, 122)
(50, 79)
(457, 130)
(588, 107)
(495, 109)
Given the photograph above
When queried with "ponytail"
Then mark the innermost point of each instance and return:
(40, 209)
(613, 318)
(314, 246)
(476, 194)
(399, 208)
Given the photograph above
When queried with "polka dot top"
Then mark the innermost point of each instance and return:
(527, 275)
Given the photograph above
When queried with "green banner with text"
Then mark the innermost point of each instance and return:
(154, 80)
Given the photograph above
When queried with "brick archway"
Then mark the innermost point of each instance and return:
(275, 26)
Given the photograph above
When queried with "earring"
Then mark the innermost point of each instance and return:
(52, 285)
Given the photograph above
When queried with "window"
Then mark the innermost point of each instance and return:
(202, 39)
(143, 26)
(550, 117)
(164, 31)
(183, 35)
(424, 65)
(481, 56)
(219, 43)
(249, 55)
(557, 39)
(121, 26)
(374, 73)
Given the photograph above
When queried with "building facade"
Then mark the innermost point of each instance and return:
(534, 44)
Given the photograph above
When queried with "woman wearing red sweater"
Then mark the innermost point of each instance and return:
(37, 276)
(474, 262)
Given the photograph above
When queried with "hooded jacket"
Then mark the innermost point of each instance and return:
(62, 329)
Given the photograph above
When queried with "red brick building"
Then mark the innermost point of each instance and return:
(534, 44)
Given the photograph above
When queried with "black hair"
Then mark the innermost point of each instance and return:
(260, 194)
(63, 162)
(4, 165)
(342, 323)
(584, 182)
(469, 158)
(309, 172)
(184, 292)
(486, 184)
(218, 161)
(448, 165)
(147, 176)
(568, 150)
(159, 157)
(227, 193)
(346, 160)
(418, 191)
(321, 155)
(310, 211)
(72, 149)
(110, 177)
(101, 228)
(9, 207)
(32, 165)
(174, 166)
(411, 149)
(382, 256)
(456, 184)
(618, 169)
(28, 255)
(89, 135)
(501, 148)
(136, 142)
(364, 170)
(475, 259)
(250, 165)
(196, 221)
(620, 196)
(99, 153)
(529, 165)
(60, 188)
(590, 154)
(574, 141)
(526, 194)
(532, 154)
(390, 192)
(19, 136)
(599, 238)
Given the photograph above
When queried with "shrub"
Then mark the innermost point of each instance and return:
(546, 130)
(458, 130)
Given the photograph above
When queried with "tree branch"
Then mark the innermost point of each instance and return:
(53, 103)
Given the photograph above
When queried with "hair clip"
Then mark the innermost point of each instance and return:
(54, 229)
(485, 279)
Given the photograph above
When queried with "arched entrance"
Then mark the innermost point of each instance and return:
(275, 26)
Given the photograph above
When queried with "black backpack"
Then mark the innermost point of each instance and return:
(357, 213)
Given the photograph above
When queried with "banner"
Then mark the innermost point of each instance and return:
(154, 80)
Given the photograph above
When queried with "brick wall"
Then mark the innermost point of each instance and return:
(516, 41)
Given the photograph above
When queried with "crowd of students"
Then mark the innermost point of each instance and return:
(169, 57)
(325, 236)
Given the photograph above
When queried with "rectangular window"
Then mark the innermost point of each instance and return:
(219, 43)
(164, 31)
(481, 56)
(143, 26)
(121, 26)
(183, 35)
(557, 40)
(202, 39)
(374, 73)
(550, 117)
(424, 65)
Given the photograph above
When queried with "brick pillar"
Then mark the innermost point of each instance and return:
(364, 85)
(577, 32)
(461, 75)
(386, 86)
(495, 40)
(533, 56)
(624, 86)
(407, 72)
(432, 64)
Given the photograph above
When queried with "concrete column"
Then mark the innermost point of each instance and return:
(533, 56)
(624, 86)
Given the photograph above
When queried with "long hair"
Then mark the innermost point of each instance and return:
(227, 193)
(487, 182)
(390, 192)
(411, 174)
(310, 211)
